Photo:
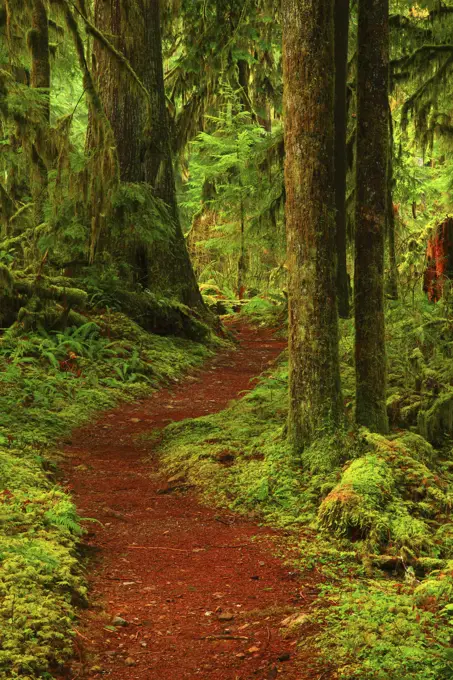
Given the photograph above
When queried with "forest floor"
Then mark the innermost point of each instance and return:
(179, 590)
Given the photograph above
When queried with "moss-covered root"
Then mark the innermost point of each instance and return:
(392, 497)
(354, 507)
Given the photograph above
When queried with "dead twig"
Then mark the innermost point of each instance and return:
(155, 547)
(223, 637)
(77, 632)
(232, 546)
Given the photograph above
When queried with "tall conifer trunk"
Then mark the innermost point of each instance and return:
(142, 134)
(341, 70)
(371, 213)
(308, 63)
(38, 43)
(392, 278)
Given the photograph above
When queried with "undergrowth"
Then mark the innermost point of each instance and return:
(49, 384)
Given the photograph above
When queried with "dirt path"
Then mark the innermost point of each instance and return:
(201, 590)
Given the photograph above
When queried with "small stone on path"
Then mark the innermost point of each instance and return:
(119, 621)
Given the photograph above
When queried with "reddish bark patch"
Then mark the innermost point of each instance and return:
(439, 258)
(202, 590)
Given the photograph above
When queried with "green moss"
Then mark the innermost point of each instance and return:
(437, 590)
(418, 446)
(389, 497)
(353, 508)
(377, 632)
(437, 422)
(326, 453)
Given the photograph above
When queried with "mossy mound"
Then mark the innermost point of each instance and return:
(391, 498)
(437, 590)
(379, 630)
(354, 507)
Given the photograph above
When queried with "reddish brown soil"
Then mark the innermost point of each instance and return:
(170, 566)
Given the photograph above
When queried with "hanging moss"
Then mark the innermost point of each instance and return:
(6, 279)
(437, 422)
(38, 301)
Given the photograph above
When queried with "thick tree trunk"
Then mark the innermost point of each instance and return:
(142, 132)
(38, 42)
(392, 277)
(371, 213)
(341, 70)
(308, 67)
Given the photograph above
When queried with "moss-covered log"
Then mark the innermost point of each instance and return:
(353, 508)
(39, 301)
(56, 302)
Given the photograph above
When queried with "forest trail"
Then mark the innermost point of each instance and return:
(202, 590)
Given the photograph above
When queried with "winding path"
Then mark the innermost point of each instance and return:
(202, 591)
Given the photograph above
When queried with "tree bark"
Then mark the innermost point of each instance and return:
(308, 67)
(38, 43)
(341, 71)
(142, 131)
(371, 213)
(392, 277)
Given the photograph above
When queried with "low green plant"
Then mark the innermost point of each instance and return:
(377, 631)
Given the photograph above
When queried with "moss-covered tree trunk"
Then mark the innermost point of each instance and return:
(341, 70)
(392, 276)
(142, 131)
(371, 213)
(38, 43)
(308, 63)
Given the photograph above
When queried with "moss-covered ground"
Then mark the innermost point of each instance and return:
(50, 383)
(371, 512)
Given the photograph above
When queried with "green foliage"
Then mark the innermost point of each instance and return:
(378, 632)
(271, 309)
(242, 164)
